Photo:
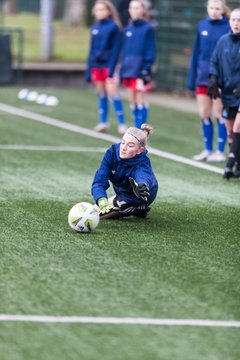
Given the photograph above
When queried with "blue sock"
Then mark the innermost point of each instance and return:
(145, 113)
(140, 115)
(134, 110)
(103, 108)
(222, 134)
(118, 108)
(207, 129)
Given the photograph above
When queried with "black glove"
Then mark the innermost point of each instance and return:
(145, 76)
(237, 91)
(213, 91)
(140, 190)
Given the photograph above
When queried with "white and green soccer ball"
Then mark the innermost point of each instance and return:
(83, 217)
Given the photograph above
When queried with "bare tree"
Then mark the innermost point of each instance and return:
(10, 6)
(75, 12)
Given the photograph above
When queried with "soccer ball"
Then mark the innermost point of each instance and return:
(32, 96)
(51, 101)
(83, 217)
(41, 98)
(22, 95)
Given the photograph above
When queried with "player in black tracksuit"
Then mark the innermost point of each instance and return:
(225, 74)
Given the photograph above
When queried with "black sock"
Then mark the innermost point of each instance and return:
(234, 154)
(235, 147)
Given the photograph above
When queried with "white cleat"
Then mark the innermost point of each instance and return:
(122, 129)
(217, 156)
(203, 156)
(101, 127)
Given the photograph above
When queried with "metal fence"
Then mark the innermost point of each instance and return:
(177, 22)
(33, 6)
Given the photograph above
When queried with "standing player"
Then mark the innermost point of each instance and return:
(138, 56)
(225, 74)
(105, 47)
(128, 168)
(209, 31)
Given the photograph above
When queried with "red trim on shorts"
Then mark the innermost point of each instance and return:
(136, 84)
(201, 90)
(99, 75)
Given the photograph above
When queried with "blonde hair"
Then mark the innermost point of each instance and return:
(145, 6)
(113, 14)
(141, 135)
(237, 10)
(226, 9)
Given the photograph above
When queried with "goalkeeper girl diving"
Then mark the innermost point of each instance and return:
(128, 168)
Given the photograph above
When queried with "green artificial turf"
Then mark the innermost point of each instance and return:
(182, 262)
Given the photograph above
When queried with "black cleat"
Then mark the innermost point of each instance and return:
(237, 171)
(228, 173)
(142, 213)
(112, 214)
(237, 174)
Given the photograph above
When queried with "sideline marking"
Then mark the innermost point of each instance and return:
(119, 321)
(52, 148)
(113, 139)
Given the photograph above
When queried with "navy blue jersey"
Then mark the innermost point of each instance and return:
(208, 33)
(105, 46)
(139, 49)
(118, 171)
(225, 65)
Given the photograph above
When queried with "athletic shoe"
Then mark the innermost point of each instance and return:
(112, 214)
(228, 173)
(122, 129)
(142, 213)
(102, 127)
(139, 211)
(217, 156)
(202, 156)
(237, 172)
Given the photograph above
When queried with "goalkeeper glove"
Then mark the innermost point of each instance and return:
(140, 190)
(213, 91)
(104, 205)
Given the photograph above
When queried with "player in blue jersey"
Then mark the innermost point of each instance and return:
(102, 63)
(127, 166)
(209, 31)
(225, 74)
(138, 56)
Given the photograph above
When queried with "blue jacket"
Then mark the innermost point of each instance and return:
(118, 171)
(225, 65)
(139, 49)
(105, 47)
(208, 33)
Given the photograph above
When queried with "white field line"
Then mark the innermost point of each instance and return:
(113, 139)
(52, 148)
(118, 320)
